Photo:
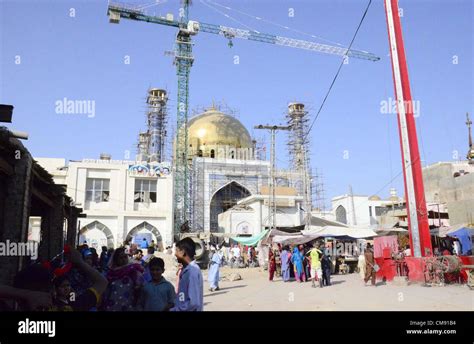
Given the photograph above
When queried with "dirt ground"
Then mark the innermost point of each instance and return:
(348, 293)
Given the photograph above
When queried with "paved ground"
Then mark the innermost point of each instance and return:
(255, 293)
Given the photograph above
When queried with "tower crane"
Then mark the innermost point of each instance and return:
(183, 59)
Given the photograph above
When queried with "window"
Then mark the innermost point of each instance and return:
(145, 191)
(379, 211)
(97, 190)
(370, 211)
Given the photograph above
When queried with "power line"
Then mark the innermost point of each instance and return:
(273, 23)
(228, 16)
(338, 70)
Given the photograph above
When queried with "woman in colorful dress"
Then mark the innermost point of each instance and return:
(297, 260)
(125, 282)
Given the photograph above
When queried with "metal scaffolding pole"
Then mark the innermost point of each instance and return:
(272, 201)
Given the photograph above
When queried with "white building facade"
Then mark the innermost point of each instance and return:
(122, 199)
(360, 211)
(251, 215)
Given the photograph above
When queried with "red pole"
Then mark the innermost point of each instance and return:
(419, 230)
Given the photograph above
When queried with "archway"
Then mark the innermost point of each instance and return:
(224, 199)
(341, 214)
(143, 228)
(96, 226)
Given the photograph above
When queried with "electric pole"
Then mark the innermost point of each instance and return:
(272, 201)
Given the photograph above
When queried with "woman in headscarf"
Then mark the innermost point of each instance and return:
(214, 265)
(285, 264)
(125, 281)
(361, 265)
(271, 264)
(297, 260)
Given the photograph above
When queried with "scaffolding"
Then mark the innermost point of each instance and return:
(298, 151)
(142, 146)
(318, 196)
(218, 184)
(152, 142)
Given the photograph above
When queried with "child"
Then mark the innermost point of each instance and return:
(62, 294)
(158, 294)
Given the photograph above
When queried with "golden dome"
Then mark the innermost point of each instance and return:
(214, 128)
(374, 198)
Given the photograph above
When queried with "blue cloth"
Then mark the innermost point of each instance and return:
(297, 260)
(213, 276)
(147, 275)
(156, 296)
(190, 290)
(285, 266)
(144, 244)
(464, 236)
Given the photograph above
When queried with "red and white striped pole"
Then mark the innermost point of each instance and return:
(419, 230)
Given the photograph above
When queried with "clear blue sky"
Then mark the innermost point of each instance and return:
(81, 58)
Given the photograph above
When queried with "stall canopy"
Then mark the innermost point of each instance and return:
(391, 231)
(293, 239)
(338, 232)
(320, 222)
(440, 231)
(324, 232)
(465, 238)
(251, 241)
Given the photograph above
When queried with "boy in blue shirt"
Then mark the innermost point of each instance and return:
(158, 294)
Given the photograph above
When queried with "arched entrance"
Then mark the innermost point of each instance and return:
(91, 234)
(146, 227)
(244, 228)
(224, 199)
(341, 214)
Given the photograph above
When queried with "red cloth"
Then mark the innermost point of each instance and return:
(385, 241)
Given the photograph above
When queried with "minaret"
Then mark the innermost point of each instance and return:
(470, 153)
(142, 146)
(157, 116)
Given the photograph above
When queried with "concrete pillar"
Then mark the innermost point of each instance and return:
(45, 241)
(259, 218)
(72, 228)
(52, 227)
(16, 212)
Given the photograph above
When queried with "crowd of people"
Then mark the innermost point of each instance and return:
(116, 280)
(130, 278)
(301, 263)
(237, 255)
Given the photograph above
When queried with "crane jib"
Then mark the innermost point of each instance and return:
(230, 33)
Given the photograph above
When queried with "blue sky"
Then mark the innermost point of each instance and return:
(82, 58)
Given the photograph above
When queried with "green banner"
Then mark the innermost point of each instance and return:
(251, 241)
